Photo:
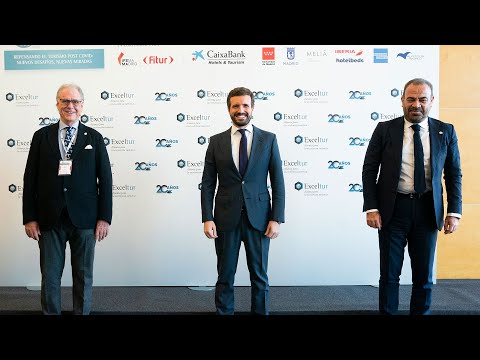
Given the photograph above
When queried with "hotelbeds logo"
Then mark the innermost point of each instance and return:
(349, 56)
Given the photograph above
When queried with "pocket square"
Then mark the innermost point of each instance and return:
(88, 147)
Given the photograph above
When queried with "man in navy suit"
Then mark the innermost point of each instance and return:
(67, 197)
(244, 208)
(403, 216)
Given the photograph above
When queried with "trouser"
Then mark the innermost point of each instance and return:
(227, 246)
(52, 246)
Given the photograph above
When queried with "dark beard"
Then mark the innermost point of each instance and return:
(241, 123)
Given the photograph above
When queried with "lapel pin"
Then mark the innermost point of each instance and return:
(440, 132)
(84, 133)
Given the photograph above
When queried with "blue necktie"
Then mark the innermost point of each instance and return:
(243, 155)
(67, 141)
(419, 172)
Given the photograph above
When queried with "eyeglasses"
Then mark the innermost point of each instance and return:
(74, 102)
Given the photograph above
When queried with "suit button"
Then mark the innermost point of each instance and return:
(64, 189)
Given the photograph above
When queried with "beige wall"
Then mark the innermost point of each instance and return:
(458, 254)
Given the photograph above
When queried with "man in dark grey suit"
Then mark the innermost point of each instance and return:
(244, 209)
(67, 197)
(403, 214)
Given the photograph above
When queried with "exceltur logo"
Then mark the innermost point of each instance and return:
(202, 140)
(396, 92)
(189, 164)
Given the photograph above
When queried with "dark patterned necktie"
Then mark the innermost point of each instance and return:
(419, 172)
(67, 141)
(243, 155)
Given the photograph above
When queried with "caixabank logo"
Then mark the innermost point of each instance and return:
(220, 57)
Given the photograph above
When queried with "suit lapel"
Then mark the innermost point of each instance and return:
(436, 140)
(257, 148)
(396, 135)
(80, 140)
(52, 139)
(226, 145)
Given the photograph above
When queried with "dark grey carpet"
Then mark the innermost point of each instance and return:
(450, 297)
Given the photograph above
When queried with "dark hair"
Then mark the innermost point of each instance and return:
(418, 81)
(240, 91)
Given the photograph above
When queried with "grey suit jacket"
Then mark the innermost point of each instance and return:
(232, 190)
(384, 154)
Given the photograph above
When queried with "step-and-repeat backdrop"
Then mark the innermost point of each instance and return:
(157, 107)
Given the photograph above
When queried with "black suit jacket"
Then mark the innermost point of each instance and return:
(384, 153)
(264, 160)
(87, 192)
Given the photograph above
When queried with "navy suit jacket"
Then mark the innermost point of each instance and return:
(87, 192)
(264, 160)
(384, 153)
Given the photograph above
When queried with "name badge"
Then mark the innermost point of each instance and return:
(65, 168)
